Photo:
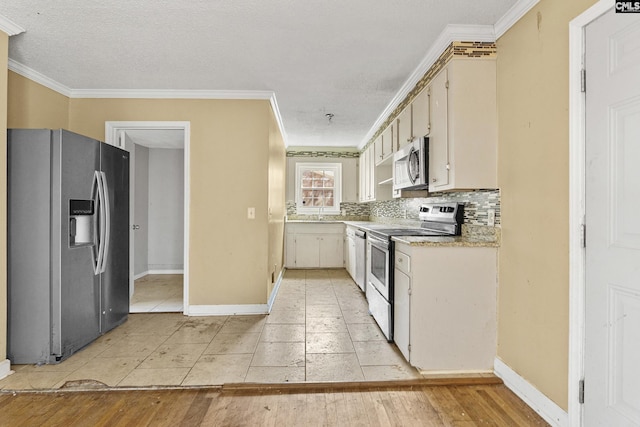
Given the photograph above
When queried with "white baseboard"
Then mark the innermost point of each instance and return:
(274, 292)
(540, 403)
(5, 368)
(180, 271)
(140, 275)
(148, 272)
(227, 310)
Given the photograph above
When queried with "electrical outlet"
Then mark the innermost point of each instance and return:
(491, 220)
(251, 213)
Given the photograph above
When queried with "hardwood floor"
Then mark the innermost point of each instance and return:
(417, 403)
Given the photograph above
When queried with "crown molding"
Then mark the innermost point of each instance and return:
(185, 94)
(38, 78)
(276, 113)
(10, 27)
(513, 15)
(451, 33)
(150, 93)
(170, 94)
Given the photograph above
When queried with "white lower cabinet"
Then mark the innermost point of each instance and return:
(314, 245)
(445, 307)
(402, 284)
(350, 251)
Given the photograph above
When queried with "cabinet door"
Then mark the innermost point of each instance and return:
(388, 141)
(371, 181)
(420, 114)
(401, 310)
(331, 251)
(362, 175)
(403, 123)
(307, 250)
(378, 149)
(439, 135)
(350, 257)
(290, 250)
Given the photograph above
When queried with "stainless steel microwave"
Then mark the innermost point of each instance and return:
(411, 166)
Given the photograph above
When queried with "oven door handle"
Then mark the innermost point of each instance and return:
(378, 243)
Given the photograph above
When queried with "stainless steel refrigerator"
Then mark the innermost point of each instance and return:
(68, 242)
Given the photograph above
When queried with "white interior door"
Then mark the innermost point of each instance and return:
(612, 347)
(126, 144)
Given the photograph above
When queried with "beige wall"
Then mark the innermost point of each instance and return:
(35, 106)
(230, 166)
(229, 157)
(533, 175)
(4, 55)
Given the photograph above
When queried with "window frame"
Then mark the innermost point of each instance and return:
(337, 188)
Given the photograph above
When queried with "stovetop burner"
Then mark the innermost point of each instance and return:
(438, 219)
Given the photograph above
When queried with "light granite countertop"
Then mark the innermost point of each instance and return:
(451, 241)
(314, 221)
(472, 235)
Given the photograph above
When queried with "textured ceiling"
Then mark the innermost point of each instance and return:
(348, 58)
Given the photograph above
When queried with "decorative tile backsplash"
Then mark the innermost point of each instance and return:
(476, 208)
(323, 153)
(352, 212)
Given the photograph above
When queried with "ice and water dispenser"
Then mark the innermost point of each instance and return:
(81, 222)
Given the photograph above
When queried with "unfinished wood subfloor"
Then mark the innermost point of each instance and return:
(382, 405)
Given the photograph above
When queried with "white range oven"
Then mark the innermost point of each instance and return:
(442, 219)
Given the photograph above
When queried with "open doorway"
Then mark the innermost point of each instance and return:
(159, 212)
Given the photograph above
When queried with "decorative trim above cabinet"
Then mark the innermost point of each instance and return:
(322, 153)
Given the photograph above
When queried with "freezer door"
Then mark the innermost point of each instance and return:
(75, 288)
(28, 245)
(115, 278)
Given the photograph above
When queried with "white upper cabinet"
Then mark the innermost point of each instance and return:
(403, 124)
(378, 149)
(463, 135)
(389, 142)
(371, 176)
(438, 137)
(420, 114)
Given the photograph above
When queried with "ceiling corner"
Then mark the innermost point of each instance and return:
(37, 77)
(513, 15)
(10, 27)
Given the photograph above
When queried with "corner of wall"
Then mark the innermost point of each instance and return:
(4, 57)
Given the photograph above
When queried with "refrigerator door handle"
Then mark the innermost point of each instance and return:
(107, 221)
(97, 180)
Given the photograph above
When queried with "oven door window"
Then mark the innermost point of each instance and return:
(379, 268)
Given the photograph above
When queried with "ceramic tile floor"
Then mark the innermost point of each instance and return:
(158, 293)
(319, 330)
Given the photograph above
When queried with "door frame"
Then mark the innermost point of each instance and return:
(577, 211)
(112, 131)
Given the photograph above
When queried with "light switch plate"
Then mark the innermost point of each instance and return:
(251, 213)
(491, 220)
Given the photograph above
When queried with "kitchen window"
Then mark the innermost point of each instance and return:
(318, 188)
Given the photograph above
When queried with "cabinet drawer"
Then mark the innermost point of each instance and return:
(403, 262)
